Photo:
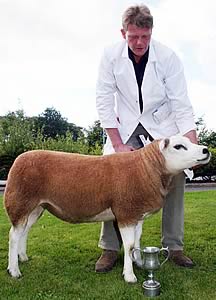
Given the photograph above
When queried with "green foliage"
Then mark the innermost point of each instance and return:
(63, 256)
(50, 131)
(96, 150)
(61, 143)
(15, 134)
(19, 133)
(208, 171)
(76, 131)
(95, 135)
(206, 137)
(53, 125)
(16, 137)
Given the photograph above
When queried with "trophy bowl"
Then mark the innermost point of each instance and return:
(148, 259)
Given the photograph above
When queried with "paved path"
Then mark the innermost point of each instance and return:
(198, 187)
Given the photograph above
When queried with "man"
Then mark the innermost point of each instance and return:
(141, 90)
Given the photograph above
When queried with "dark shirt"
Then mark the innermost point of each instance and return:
(139, 69)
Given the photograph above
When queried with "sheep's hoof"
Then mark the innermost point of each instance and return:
(14, 273)
(130, 278)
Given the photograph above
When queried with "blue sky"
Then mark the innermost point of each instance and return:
(50, 51)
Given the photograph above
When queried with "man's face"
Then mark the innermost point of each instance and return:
(138, 39)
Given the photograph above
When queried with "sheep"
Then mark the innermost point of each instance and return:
(82, 188)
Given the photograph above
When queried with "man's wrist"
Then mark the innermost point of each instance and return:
(116, 145)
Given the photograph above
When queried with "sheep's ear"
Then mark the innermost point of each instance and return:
(164, 144)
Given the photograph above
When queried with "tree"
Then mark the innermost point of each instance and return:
(207, 172)
(95, 135)
(76, 131)
(15, 133)
(52, 124)
(15, 138)
(206, 137)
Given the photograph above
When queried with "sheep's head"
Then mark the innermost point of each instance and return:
(181, 154)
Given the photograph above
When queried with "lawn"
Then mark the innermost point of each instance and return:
(62, 259)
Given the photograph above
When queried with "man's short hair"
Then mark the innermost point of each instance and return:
(138, 15)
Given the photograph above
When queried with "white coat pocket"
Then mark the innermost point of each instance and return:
(161, 113)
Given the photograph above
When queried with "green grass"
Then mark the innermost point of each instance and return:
(62, 259)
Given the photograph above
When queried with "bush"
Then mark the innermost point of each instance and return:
(208, 172)
(61, 143)
(17, 135)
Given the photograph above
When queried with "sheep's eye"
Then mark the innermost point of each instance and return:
(180, 146)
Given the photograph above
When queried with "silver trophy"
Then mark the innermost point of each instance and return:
(148, 259)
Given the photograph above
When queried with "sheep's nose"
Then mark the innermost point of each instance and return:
(205, 151)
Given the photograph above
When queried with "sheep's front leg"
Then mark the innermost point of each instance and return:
(128, 238)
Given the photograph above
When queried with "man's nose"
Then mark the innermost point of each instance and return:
(140, 40)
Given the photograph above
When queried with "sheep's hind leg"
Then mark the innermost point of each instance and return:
(14, 238)
(138, 234)
(33, 217)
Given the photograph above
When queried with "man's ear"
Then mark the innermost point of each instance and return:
(164, 144)
(123, 32)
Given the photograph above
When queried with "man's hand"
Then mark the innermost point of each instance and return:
(116, 140)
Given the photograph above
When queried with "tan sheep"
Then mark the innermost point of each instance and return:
(81, 188)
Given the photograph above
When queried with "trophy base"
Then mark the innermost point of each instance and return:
(151, 288)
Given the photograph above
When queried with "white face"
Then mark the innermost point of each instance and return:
(181, 154)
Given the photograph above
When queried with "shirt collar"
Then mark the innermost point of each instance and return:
(143, 58)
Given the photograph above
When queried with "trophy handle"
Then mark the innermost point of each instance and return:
(133, 252)
(168, 254)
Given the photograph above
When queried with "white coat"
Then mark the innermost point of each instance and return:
(166, 107)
